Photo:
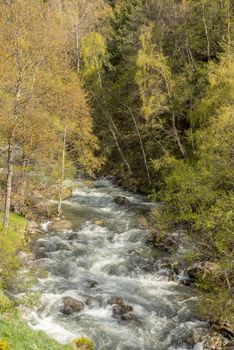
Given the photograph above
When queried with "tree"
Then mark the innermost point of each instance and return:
(155, 81)
(23, 55)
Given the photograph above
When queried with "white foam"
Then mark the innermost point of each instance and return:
(51, 328)
(103, 314)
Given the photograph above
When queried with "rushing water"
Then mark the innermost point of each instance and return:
(110, 258)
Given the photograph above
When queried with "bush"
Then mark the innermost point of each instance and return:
(83, 344)
(3, 345)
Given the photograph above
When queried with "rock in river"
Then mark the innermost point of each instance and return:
(118, 311)
(70, 306)
(128, 316)
(122, 201)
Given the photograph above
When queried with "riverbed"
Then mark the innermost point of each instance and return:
(104, 255)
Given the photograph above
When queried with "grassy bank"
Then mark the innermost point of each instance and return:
(14, 333)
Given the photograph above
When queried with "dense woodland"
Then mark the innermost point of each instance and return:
(139, 89)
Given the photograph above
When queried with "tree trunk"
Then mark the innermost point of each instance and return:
(62, 172)
(112, 126)
(77, 51)
(175, 131)
(142, 146)
(206, 30)
(8, 185)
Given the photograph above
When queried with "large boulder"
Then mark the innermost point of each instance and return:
(70, 306)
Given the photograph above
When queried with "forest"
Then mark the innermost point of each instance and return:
(139, 90)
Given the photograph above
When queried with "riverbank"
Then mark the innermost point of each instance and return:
(14, 333)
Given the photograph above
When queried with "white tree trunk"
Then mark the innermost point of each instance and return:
(62, 176)
(8, 185)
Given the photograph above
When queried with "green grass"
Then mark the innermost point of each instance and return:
(11, 242)
(20, 337)
(17, 223)
(14, 333)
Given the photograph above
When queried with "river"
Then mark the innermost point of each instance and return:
(109, 257)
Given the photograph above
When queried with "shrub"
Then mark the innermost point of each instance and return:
(3, 345)
(83, 344)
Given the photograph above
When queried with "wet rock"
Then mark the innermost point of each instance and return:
(40, 253)
(52, 245)
(214, 342)
(122, 201)
(185, 279)
(116, 301)
(73, 237)
(88, 301)
(62, 246)
(197, 335)
(91, 284)
(119, 310)
(60, 225)
(71, 306)
(127, 317)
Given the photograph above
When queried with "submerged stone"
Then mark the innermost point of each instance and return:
(120, 200)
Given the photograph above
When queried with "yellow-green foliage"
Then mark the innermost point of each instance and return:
(83, 344)
(153, 76)
(200, 191)
(3, 345)
(93, 52)
(5, 303)
(10, 243)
